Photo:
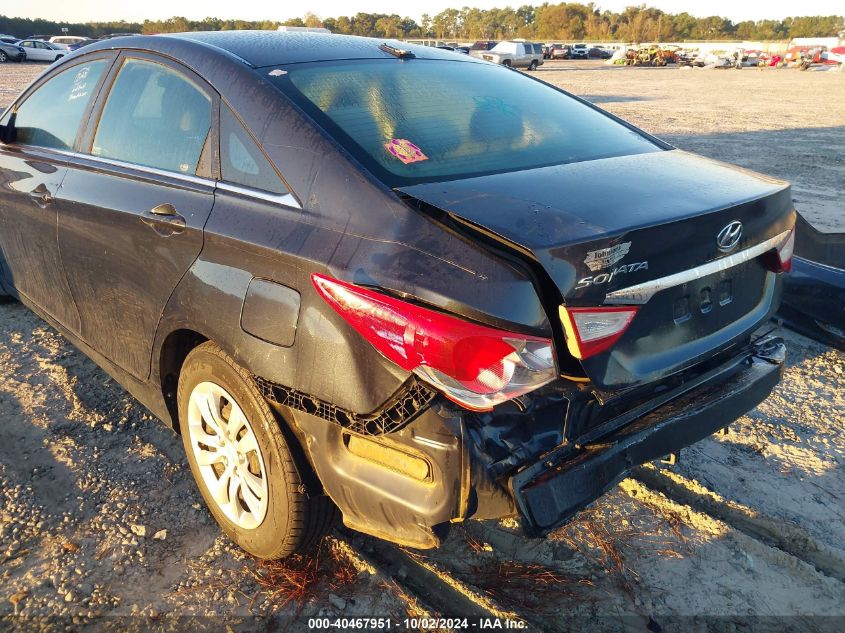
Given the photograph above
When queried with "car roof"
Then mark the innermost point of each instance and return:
(271, 48)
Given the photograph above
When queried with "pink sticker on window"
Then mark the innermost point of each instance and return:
(405, 150)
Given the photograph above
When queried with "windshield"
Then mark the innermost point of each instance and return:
(412, 121)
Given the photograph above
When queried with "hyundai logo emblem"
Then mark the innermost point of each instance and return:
(729, 236)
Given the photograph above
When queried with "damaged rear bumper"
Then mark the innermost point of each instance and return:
(548, 492)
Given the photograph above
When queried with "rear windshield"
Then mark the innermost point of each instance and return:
(412, 121)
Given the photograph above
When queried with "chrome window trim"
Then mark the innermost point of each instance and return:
(155, 171)
(287, 199)
(641, 293)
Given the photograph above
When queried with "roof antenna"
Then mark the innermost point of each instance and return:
(397, 52)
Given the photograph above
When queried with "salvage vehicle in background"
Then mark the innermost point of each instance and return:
(350, 298)
(41, 51)
(483, 45)
(66, 41)
(579, 51)
(12, 52)
(513, 54)
(560, 51)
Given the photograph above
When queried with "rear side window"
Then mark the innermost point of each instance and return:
(421, 120)
(51, 115)
(538, 49)
(241, 161)
(154, 116)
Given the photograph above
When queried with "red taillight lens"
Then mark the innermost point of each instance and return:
(779, 260)
(474, 365)
(593, 330)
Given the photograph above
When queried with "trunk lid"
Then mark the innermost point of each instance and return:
(602, 226)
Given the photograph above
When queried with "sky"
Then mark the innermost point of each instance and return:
(135, 11)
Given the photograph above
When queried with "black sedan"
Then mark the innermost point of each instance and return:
(351, 298)
(11, 52)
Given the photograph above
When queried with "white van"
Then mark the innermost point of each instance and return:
(64, 41)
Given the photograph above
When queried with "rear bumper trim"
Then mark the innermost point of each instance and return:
(548, 492)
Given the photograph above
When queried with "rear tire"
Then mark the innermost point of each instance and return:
(532, 65)
(251, 476)
(3, 57)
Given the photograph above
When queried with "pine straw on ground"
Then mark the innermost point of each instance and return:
(301, 577)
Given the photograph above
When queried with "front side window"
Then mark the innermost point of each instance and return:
(50, 116)
(241, 161)
(419, 120)
(154, 116)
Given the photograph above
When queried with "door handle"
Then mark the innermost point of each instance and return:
(164, 210)
(41, 195)
(164, 219)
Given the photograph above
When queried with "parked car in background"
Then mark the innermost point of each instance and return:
(598, 53)
(41, 51)
(110, 36)
(560, 51)
(457, 49)
(579, 51)
(483, 45)
(11, 52)
(513, 54)
(463, 312)
(83, 43)
(65, 41)
(9, 40)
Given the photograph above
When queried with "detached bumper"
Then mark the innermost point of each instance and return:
(572, 476)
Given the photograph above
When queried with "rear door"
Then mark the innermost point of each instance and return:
(134, 205)
(32, 168)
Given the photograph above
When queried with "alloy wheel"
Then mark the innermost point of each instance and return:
(227, 454)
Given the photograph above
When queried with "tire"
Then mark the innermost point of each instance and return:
(58, 57)
(532, 65)
(506, 63)
(3, 57)
(281, 518)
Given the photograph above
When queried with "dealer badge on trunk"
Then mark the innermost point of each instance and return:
(606, 257)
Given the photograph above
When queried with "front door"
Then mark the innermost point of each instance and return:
(133, 210)
(32, 167)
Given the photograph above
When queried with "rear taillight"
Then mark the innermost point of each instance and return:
(780, 259)
(473, 365)
(593, 330)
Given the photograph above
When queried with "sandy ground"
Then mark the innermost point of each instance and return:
(99, 516)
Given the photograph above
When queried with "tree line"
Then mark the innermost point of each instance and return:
(564, 21)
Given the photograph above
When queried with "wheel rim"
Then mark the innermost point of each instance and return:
(227, 455)
(2, 56)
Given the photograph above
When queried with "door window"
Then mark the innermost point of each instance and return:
(241, 161)
(50, 116)
(154, 116)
